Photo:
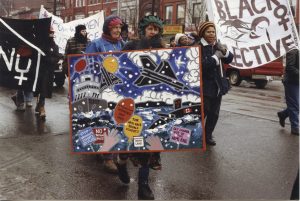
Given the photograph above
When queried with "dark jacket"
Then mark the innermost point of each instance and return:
(46, 73)
(144, 43)
(291, 75)
(74, 46)
(211, 74)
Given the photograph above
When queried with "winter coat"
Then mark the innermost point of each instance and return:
(144, 43)
(46, 73)
(102, 45)
(291, 75)
(74, 46)
(211, 73)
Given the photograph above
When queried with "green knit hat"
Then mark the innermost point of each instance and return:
(150, 19)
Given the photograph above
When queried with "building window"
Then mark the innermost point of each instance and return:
(180, 14)
(79, 16)
(80, 3)
(123, 15)
(94, 2)
(168, 16)
(113, 11)
(197, 12)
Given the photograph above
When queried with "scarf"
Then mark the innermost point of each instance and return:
(111, 39)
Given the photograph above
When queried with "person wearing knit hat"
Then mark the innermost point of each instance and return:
(213, 54)
(110, 41)
(150, 30)
(181, 40)
(76, 44)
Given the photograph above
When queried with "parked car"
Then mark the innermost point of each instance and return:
(59, 75)
(260, 75)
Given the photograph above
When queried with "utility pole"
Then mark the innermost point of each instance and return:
(152, 10)
(54, 7)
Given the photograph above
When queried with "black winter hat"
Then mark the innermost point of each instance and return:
(79, 28)
(110, 21)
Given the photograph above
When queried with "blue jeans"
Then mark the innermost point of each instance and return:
(292, 102)
(24, 96)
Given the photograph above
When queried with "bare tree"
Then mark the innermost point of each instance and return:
(195, 14)
(128, 12)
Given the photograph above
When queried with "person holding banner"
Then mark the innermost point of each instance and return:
(213, 54)
(76, 44)
(110, 41)
(45, 83)
(291, 89)
(150, 30)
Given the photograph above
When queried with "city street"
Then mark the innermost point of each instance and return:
(254, 157)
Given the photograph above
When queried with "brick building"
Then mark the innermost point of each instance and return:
(186, 13)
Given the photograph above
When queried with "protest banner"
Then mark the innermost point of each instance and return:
(256, 32)
(64, 31)
(137, 101)
(22, 51)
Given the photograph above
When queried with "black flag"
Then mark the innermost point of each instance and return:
(22, 45)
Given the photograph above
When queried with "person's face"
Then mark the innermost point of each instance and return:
(190, 41)
(210, 35)
(124, 34)
(83, 32)
(115, 31)
(151, 31)
(183, 40)
(173, 44)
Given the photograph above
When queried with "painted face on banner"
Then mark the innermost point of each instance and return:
(210, 35)
(115, 31)
(151, 31)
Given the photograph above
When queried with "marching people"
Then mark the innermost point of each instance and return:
(76, 44)
(110, 41)
(213, 54)
(45, 83)
(181, 40)
(124, 33)
(23, 98)
(172, 41)
(291, 89)
(150, 30)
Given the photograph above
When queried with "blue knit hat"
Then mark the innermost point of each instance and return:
(109, 21)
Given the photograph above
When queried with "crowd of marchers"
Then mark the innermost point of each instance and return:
(150, 29)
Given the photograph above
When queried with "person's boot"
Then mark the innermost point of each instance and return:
(211, 142)
(37, 109)
(144, 192)
(42, 112)
(295, 131)
(123, 173)
(282, 118)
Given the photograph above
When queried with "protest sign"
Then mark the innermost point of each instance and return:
(136, 101)
(256, 32)
(64, 31)
(22, 45)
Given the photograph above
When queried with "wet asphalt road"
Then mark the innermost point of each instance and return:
(254, 158)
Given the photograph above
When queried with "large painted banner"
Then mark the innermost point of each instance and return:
(22, 51)
(136, 101)
(64, 31)
(256, 32)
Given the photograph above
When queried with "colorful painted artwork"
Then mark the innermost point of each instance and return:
(136, 101)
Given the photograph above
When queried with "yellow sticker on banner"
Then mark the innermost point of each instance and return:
(133, 127)
(110, 64)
